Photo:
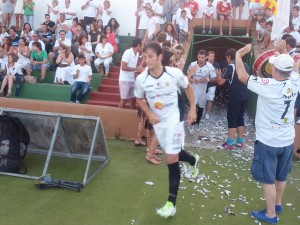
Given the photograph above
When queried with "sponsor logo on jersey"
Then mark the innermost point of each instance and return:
(265, 80)
(158, 105)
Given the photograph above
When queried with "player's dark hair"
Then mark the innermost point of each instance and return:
(165, 61)
(231, 53)
(270, 23)
(202, 52)
(155, 46)
(285, 36)
(136, 42)
(291, 42)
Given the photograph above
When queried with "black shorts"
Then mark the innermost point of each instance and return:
(89, 20)
(225, 16)
(235, 113)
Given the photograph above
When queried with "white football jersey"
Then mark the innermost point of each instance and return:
(162, 93)
(274, 120)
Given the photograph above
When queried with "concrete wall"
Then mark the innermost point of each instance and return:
(116, 122)
(122, 10)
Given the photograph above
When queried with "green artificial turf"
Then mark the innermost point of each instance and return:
(119, 195)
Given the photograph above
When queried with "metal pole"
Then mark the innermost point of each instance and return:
(51, 145)
(91, 153)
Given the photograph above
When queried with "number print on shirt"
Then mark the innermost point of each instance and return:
(287, 103)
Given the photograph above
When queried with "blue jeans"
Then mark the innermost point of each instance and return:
(77, 86)
(19, 82)
(29, 19)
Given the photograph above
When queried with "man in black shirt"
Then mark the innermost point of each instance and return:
(238, 98)
(50, 24)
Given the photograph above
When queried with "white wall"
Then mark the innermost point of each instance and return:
(122, 10)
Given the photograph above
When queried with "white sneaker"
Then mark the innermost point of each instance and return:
(194, 169)
(207, 116)
(167, 210)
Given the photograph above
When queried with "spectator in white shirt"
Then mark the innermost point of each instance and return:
(158, 8)
(85, 48)
(53, 10)
(105, 12)
(62, 40)
(183, 27)
(82, 74)
(104, 52)
(35, 37)
(153, 27)
(3, 33)
(69, 11)
(90, 12)
(14, 74)
(178, 14)
(208, 13)
(296, 18)
(141, 12)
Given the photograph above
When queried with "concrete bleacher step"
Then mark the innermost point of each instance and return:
(103, 103)
(110, 81)
(108, 88)
(105, 96)
(114, 75)
(107, 103)
(115, 69)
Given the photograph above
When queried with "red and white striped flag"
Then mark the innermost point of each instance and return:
(272, 4)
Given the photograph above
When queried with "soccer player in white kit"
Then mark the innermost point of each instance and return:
(205, 73)
(275, 133)
(159, 86)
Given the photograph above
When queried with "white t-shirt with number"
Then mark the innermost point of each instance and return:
(274, 120)
(84, 72)
(161, 93)
(131, 59)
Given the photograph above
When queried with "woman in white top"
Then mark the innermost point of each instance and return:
(6, 49)
(13, 73)
(8, 10)
(104, 52)
(85, 48)
(105, 12)
(19, 14)
(65, 61)
(27, 32)
(53, 10)
(3, 33)
(23, 53)
(170, 30)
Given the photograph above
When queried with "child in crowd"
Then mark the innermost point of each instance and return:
(266, 38)
(262, 28)
(183, 27)
(208, 13)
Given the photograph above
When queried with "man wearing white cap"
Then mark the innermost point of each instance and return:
(274, 121)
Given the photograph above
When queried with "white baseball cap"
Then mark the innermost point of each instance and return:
(283, 62)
